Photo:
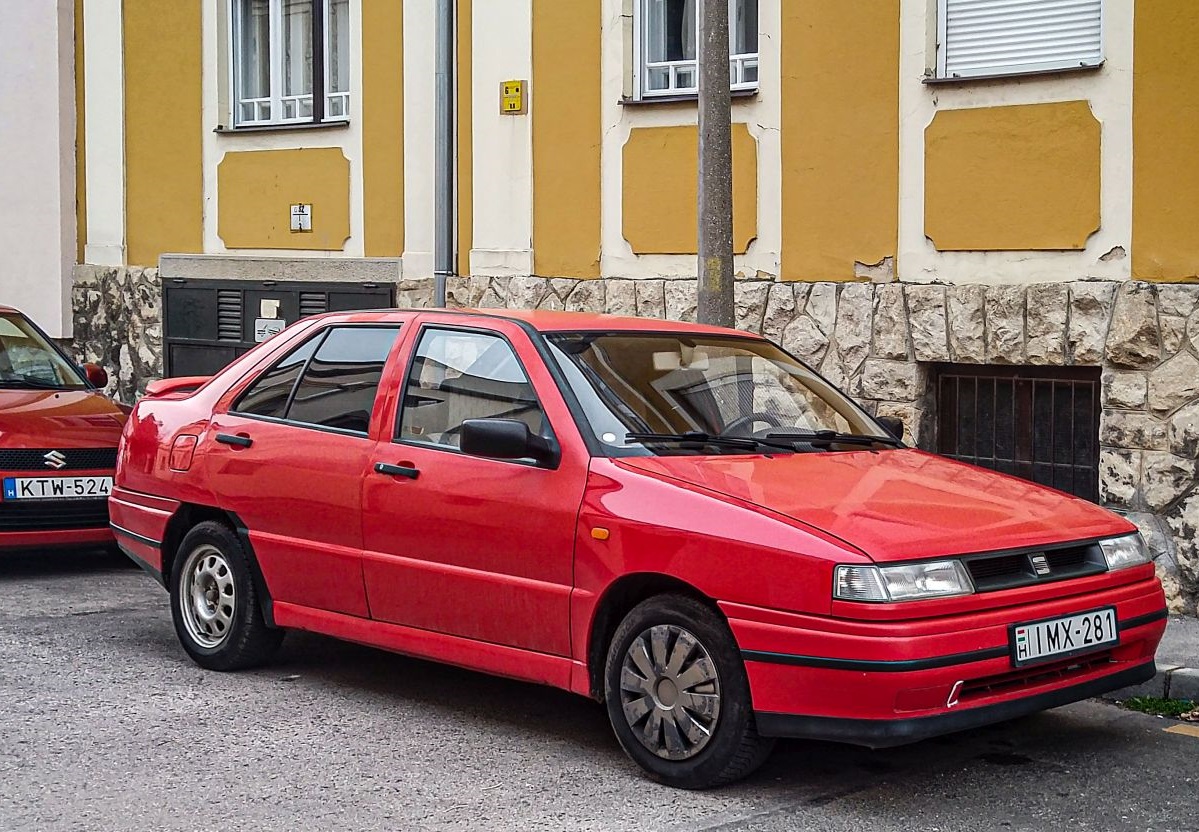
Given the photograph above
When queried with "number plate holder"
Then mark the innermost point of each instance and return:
(1062, 636)
(56, 488)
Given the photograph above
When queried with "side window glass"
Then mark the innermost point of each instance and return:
(339, 385)
(457, 376)
(268, 396)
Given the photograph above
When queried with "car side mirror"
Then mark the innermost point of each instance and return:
(506, 439)
(96, 375)
(892, 424)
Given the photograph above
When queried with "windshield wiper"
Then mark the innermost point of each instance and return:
(31, 381)
(823, 438)
(700, 438)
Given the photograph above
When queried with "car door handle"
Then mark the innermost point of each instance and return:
(397, 470)
(234, 440)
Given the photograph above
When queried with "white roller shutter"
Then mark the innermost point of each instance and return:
(1001, 37)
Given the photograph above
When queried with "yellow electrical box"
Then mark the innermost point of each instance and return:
(512, 98)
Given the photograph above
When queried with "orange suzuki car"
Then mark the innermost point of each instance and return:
(58, 443)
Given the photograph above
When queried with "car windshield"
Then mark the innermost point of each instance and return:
(28, 360)
(705, 394)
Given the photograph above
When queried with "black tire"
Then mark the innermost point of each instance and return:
(732, 748)
(239, 637)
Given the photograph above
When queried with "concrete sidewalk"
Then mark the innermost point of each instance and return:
(1177, 664)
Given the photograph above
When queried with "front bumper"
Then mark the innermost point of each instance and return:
(883, 683)
(55, 539)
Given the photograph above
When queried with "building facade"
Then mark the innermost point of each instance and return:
(979, 218)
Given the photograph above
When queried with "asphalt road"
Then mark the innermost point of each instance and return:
(105, 725)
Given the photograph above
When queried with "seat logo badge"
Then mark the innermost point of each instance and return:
(55, 460)
(1041, 564)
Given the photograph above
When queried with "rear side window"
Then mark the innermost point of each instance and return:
(330, 381)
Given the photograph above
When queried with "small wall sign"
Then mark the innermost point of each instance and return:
(301, 218)
(266, 327)
(512, 98)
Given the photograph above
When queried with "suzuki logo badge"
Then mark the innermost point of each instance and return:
(55, 460)
(1041, 564)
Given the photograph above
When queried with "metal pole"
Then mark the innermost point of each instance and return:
(715, 289)
(445, 153)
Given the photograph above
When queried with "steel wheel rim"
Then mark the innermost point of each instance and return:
(670, 692)
(208, 597)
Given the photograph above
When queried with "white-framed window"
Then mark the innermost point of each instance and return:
(986, 38)
(290, 61)
(666, 33)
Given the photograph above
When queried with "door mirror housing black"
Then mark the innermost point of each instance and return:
(507, 439)
(892, 424)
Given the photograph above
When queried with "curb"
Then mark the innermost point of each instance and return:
(1171, 682)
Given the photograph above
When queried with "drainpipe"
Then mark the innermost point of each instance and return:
(445, 155)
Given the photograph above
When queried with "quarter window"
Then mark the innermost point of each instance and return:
(981, 38)
(457, 376)
(290, 61)
(331, 381)
(669, 38)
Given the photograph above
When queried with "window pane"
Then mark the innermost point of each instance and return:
(253, 48)
(297, 47)
(465, 375)
(743, 34)
(268, 395)
(339, 45)
(338, 389)
(670, 30)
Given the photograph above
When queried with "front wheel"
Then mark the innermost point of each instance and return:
(677, 695)
(214, 604)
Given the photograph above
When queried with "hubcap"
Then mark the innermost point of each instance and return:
(207, 598)
(670, 692)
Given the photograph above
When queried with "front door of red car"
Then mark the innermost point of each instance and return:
(288, 457)
(465, 545)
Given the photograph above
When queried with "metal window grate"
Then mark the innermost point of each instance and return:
(313, 303)
(228, 315)
(1038, 423)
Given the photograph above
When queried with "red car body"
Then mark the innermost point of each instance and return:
(525, 572)
(57, 434)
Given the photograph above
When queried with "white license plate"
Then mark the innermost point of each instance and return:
(1059, 638)
(56, 488)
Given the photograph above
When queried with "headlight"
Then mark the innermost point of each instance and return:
(1123, 552)
(902, 582)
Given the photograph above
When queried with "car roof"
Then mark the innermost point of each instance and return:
(544, 320)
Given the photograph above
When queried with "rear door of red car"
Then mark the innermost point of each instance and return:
(465, 545)
(287, 453)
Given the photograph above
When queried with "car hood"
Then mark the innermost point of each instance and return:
(895, 504)
(58, 419)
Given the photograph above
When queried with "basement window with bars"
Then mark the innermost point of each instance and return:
(988, 38)
(1038, 423)
(667, 38)
(291, 61)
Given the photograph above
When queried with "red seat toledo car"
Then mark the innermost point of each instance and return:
(58, 443)
(681, 521)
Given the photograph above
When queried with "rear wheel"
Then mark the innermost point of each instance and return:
(216, 609)
(677, 695)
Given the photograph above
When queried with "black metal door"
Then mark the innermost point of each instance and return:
(208, 323)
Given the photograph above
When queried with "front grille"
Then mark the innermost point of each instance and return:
(1031, 677)
(1008, 570)
(77, 459)
(52, 515)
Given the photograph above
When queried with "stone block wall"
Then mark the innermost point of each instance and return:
(874, 340)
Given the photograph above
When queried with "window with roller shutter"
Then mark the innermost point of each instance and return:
(987, 38)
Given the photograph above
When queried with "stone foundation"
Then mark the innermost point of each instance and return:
(876, 341)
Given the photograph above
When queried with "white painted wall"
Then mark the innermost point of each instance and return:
(1109, 90)
(216, 111)
(37, 184)
(762, 114)
(104, 106)
(420, 109)
(502, 145)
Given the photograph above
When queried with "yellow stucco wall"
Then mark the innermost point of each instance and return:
(255, 191)
(164, 186)
(80, 136)
(1012, 178)
(383, 127)
(466, 155)
(565, 108)
(840, 136)
(1165, 138)
(661, 185)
